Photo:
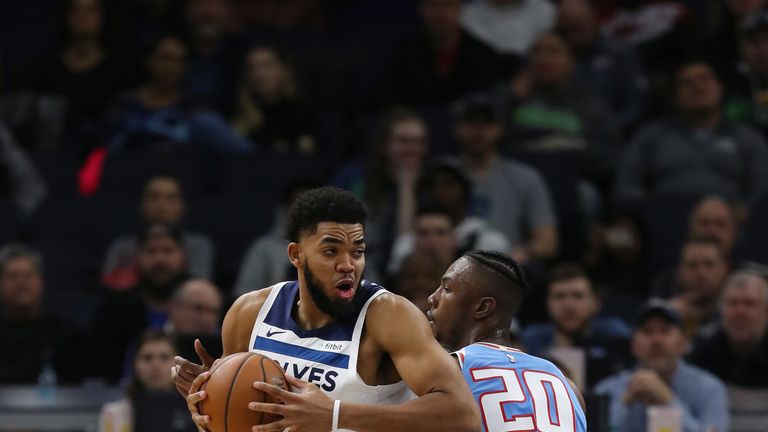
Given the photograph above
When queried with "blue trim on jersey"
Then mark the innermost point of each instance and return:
(327, 358)
(341, 330)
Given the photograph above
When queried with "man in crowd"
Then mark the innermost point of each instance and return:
(195, 313)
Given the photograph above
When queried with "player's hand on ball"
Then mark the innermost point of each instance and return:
(184, 372)
(307, 410)
(194, 397)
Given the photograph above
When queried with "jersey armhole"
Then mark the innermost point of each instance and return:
(459, 357)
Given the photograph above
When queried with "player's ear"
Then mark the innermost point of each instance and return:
(485, 307)
(295, 256)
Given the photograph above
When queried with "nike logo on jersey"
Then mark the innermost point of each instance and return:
(271, 333)
(512, 359)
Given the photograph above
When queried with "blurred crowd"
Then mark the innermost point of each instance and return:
(615, 148)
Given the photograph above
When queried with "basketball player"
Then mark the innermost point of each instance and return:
(472, 308)
(339, 338)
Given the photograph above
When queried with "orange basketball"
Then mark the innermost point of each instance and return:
(230, 389)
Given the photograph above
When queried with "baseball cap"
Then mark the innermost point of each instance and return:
(657, 308)
(477, 106)
(754, 23)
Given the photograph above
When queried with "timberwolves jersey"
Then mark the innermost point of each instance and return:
(326, 356)
(519, 392)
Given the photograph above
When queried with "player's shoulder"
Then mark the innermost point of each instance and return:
(252, 302)
(388, 303)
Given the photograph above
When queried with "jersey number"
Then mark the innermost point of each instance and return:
(492, 403)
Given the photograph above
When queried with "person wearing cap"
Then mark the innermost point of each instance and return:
(737, 349)
(446, 185)
(512, 196)
(662, 378)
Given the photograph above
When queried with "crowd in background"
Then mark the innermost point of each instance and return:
(615, 148)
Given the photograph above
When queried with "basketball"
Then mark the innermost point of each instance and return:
(230, 389)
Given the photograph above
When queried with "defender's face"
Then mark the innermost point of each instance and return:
(450, 306)
(334, 259)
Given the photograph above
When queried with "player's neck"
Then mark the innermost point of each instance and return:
(497, 336)
(306, 313)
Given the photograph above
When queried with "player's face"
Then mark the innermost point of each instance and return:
(332, 265)
(745, 311)
(658, 344)
(153, 364)
(702, 270)
(21, 285)
(571, 304)
(450, 306)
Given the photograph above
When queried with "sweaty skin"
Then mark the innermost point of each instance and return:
(397, 343)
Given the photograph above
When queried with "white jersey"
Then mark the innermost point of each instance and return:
(326, 356)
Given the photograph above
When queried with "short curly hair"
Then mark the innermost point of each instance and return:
(325, 204)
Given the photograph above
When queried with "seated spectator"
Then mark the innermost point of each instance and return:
(508, 26)
(513, 197)
(214, 53)
(269, 111)
(747, 82)
(158, 116)
(19, 178)
(151, 366)
(617, 259)
(31, 336)
(663, 378)
(716, 218)
(448, 185)
(698, 153)
(737, 349)
(195, 313)
(724, 31)
(434, 234)
(573, 304)
(84, 72)
(698, 282)
(419, 274)
(162, 203)
(162, 268)
(611, 68)
(387, 183)
(441, 61)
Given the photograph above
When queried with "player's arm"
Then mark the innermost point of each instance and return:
(445, 401)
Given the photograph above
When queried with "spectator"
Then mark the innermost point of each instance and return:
(161, 265)
(84, 72)
(434, 234)
(195, 313)
(441, 62)
(611, 68)
(508, 26)
(710, 154)
(19, 178)
(419, 274)
(550, 112)
(269, 111)
(162, 203)
(32, 336)
(573, 304)
(737, 350)
(717, 218)
(151, 365)
(723, 35)
(387, 183)
(448, 185)
(214, 52)
(266, 261)
(663, 378)
(746, 83)
(158, 114)
(698, 282)
(513, 197)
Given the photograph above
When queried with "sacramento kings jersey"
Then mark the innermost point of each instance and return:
(519, 392)
(326, 356)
